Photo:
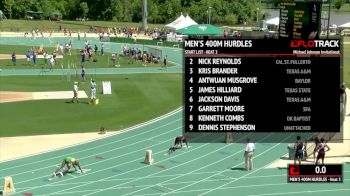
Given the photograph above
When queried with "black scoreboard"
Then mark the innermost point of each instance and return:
(257, 85)
(315, 173)
(300, 19)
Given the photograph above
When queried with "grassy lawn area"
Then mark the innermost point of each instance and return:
(135, 99)
(345, 8)
(102, 61)
(45, 25)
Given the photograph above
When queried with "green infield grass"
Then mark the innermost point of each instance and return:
(135, 98)
(73, 59)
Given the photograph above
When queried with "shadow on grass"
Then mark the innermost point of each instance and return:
(84, 102)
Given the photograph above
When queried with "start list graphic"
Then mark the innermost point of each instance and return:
(262, 85)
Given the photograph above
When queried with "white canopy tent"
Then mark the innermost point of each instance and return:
(176, 22)
(346, 25)
(181, 22)
(186, 23)
(2, 16)
(273, 21)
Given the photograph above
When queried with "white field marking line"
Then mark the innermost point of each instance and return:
(172, 183)
(113, 167)
(123, 187)
(96, 181)
(113, 149)
(165, 187)
(150, 186)
(113, 134)
(199, 147)
(138, 169)
(224, 188)
(174, 63)
(287, 193)
(272, 147)
(100, 146)
(121, 179)
(71, 175)
(225, 146)
(107, 136)
(118, 179)
(105, 159)
(209, 165)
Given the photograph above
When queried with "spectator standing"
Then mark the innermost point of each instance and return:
(322, 151)
(34, 56)
(75, 92)
(83, 73)
(102, 49)
(96, 49)
(114, 59)
(299, 150)
(92, 90)
(165, 59)
(82, 54)
(13, 58)
(28, 54)
(317, 142)
(248, 155)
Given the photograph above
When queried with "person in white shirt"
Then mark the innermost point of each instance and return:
(75, 92)
(248, 154)
(93, 90)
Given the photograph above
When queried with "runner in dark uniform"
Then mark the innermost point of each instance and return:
(82, 54)
(322, 151)
(317, 141)
(299, 150)
(178, 143)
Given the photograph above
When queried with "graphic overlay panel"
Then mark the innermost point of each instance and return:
(330, 173)
(300, 19)
(262, 85)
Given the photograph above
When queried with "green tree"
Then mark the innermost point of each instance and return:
(47, 7)
(8, 7)
(84, 9)
(117, 10)
(126, 10)
(339, 3)
(136, 10)
(153, 13)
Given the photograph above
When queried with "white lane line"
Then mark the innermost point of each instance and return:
(110, 151)
(223, 170)
(113, 167)
(175, 167)
(87, 149)
(136, 169)
(116, 133)
(296, 192)
(272, 147)
(236, 187)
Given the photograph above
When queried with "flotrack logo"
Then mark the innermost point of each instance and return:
(314, 43)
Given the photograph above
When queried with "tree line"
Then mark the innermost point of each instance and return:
(159, 11)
